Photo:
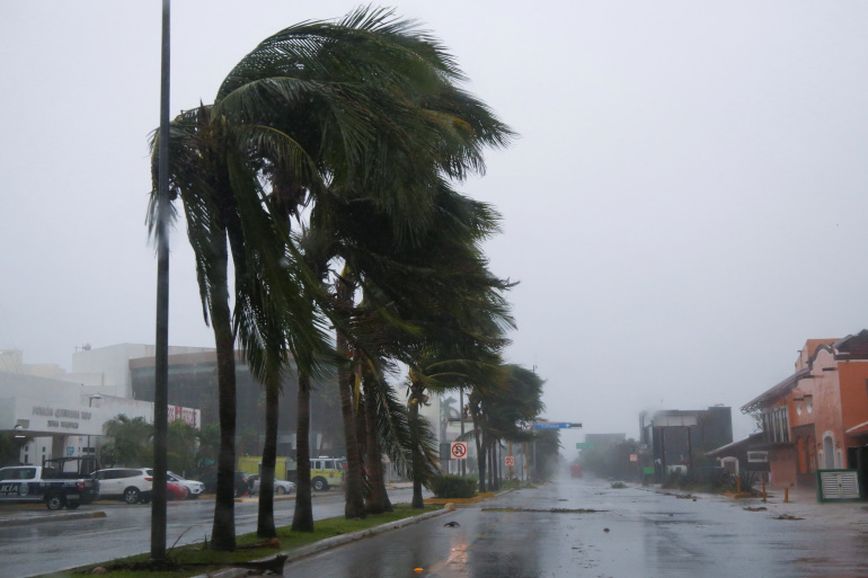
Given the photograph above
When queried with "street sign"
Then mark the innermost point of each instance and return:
(555, 425)
(509, 461)
(634, 457)
(458, 450)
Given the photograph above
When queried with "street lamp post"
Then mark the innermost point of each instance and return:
(90, 399)
(161, 343)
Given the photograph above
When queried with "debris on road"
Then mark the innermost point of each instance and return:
(549, 510)
(452, 524)
(788, 517)
(618, 485)
(752, 509)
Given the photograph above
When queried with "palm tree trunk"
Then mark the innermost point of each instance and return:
(302, 518)
(480, 453)
(355, 501)
(223, 528)
(265, 522)
(490, 466)
(499, 458)
(361, 440)
(417, 462)
(497, 464)
(378, 501)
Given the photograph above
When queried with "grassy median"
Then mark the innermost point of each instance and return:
(197, 559)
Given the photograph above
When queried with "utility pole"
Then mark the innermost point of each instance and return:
(461, 414)
(161, 374)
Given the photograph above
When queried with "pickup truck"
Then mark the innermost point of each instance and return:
(39, 484)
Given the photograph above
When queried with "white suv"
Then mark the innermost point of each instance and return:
(132, 485)
(194, 488)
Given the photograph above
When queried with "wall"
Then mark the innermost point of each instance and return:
(109, 367)
(783, 467)
(853, 377)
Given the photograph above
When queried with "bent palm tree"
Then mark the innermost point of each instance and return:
(375, 99)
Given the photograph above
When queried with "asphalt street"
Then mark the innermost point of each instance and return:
(51, 546)
(634, 532)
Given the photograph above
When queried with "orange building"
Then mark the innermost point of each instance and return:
(817, 418)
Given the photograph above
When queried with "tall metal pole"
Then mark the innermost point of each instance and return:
(161, 378)
(461, 414)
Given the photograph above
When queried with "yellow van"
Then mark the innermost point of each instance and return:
(326, 472)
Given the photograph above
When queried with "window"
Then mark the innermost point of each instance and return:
(26, 474)
(776, 424)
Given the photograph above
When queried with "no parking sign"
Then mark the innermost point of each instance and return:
(458, 450)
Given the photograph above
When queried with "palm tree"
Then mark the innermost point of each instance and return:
(214, 171)
(365, 104)
(130, 441)
(324, 87)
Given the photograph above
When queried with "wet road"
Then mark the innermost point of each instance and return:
(649, 534)
(49, 547)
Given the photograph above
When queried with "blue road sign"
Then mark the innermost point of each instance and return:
(555, 425)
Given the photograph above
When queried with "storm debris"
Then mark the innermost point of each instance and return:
(752, 509)
(549, 510)
(788, 517)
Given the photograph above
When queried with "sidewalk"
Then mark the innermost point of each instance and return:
(802, 505)
(27, 517)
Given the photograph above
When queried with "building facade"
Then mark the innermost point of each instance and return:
(817, 418)
(193, 383)
(679, 439)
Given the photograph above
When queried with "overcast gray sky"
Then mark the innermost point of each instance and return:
(685, 206)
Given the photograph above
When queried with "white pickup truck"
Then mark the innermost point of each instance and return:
(37, 484)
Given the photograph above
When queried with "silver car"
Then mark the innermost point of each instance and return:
(281, 487)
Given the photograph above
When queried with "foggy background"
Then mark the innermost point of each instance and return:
(684, 207)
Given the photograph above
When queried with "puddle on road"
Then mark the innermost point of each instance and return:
(546, 510)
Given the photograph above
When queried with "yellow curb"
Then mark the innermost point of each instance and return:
(458, 501)
(738, 495)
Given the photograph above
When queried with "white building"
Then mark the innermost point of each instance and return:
(62, 414)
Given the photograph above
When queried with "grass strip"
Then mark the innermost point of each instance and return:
(195, 559)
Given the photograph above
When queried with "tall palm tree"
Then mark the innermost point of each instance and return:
(364, 104)
(376, 99)
(215, 171)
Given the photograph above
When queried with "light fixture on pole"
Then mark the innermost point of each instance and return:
(90, 399)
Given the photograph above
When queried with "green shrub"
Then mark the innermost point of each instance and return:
(453, 487)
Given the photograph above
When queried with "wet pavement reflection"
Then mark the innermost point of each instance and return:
(633, 532)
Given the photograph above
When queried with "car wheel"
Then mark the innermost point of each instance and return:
(280, 490)
(132, 495)
(55, 501)
(320, 484)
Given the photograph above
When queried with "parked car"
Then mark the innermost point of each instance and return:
(194, 487)
(241, 488)
(281, 487)
(176, 491)
(132, 485)
(38, 484)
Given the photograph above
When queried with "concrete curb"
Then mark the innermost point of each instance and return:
(51, 518)
(329, 543)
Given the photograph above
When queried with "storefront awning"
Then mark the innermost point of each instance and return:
(858, 430)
